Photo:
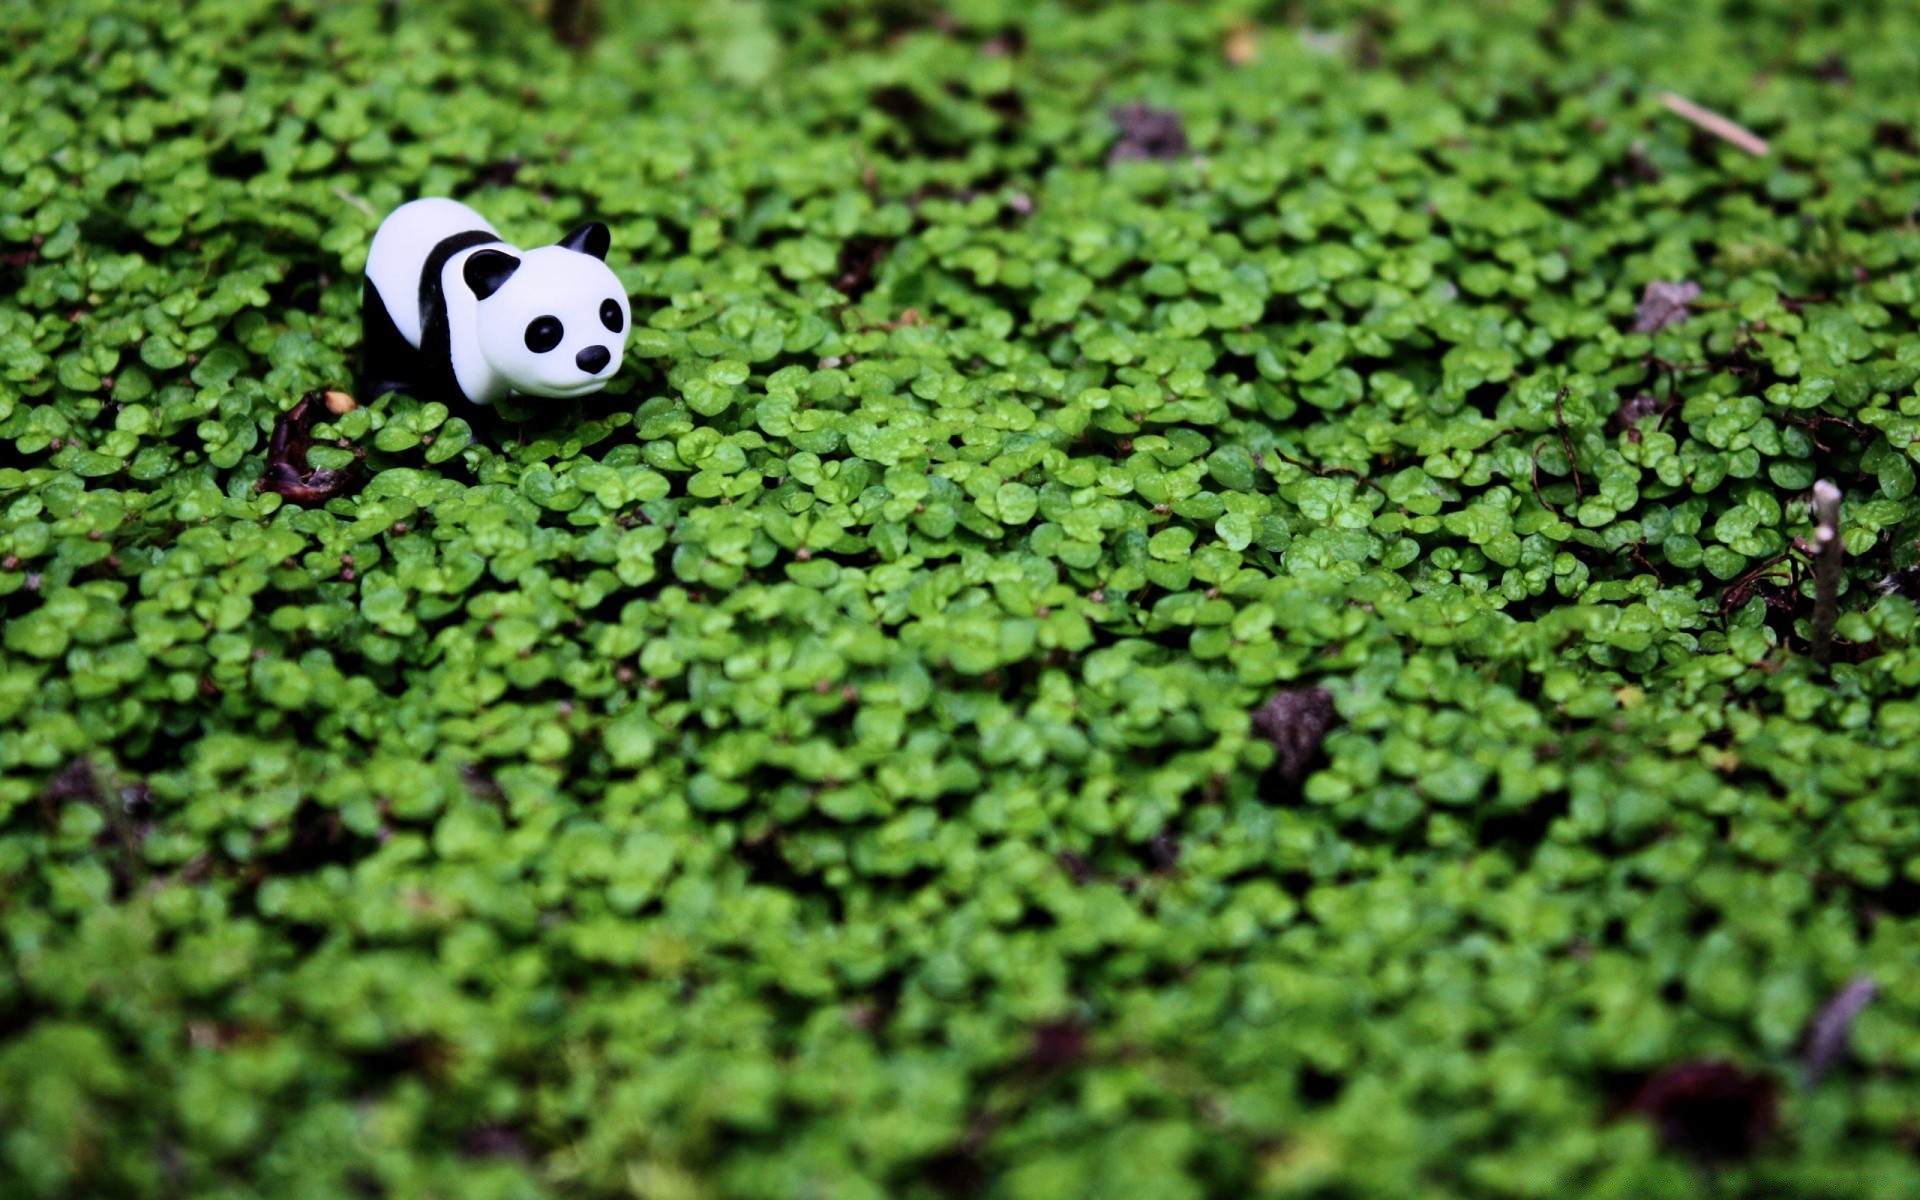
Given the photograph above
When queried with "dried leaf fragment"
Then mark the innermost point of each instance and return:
(1664, 304)
(1147, 134)
(1296, 721)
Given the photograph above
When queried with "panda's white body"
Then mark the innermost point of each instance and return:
(401, 246)
(450, 309)
(400, 250)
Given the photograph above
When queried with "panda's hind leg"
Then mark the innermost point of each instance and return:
(387, 362)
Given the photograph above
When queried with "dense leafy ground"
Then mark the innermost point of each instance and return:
(824, 765)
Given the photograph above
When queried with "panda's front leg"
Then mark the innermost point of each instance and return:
(387, 362)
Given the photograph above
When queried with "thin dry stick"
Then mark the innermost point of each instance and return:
(1717, 125)
(357, 202)
(1741, 590)
(1323, 472)
(1566, 443)
(1830, 1033)
(1826, 568)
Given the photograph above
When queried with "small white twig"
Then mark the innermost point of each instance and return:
(356, 201)
(1826, 568)
(1717, 125)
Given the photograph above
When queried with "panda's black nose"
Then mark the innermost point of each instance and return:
(593, 358)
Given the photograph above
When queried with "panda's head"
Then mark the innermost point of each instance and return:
(553, 321)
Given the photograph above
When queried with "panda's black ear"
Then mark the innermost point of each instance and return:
(486, 270)
(591, 238)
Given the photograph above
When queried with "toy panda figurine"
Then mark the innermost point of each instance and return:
(449, 310)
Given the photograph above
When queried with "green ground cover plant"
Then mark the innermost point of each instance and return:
(838, 761)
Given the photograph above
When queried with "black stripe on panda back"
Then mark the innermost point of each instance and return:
(444, 249)
(436, 379)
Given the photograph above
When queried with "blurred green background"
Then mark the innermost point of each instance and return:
(826, 764)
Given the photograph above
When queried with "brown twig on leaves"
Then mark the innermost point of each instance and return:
(1638, 553)
(1321, 472)
(1741, 590)
(1812, 426)
(1533, 471)
(1566, 443)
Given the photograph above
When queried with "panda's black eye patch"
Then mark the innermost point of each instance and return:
(610, 315)
(544, 333)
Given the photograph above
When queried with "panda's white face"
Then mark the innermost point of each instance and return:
(556, 325)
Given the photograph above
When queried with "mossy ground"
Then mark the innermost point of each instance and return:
(824, 764)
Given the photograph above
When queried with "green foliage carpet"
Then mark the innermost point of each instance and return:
(826, 764)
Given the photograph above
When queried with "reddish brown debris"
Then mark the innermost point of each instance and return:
(860, 259)
(287, 471)
(1147, 133)
(494, 1140)
(1711, 1109)
(1058, 1044)
(1296, 721)
(76, 781)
